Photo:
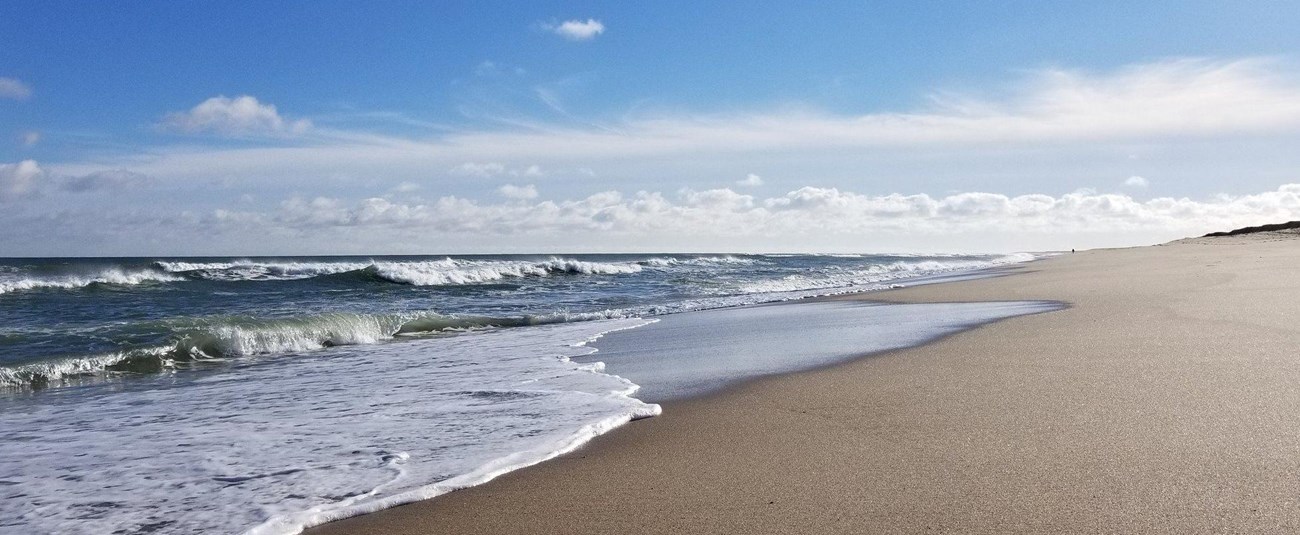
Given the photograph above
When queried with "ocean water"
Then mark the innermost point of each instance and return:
(228, 395)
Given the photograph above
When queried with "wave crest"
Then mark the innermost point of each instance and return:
(248, 270)
(217, 339)
(697, 261)
(876, 273)
(451, 271)
(116, 276)
(447, 271)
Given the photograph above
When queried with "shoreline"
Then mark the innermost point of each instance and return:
(1157, 402)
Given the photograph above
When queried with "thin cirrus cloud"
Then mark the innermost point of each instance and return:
(576, 30)
(13, 88)
(1171, 99)
(242, 115)
(491, 169)
(1165, 101)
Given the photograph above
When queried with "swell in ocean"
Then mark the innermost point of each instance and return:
(271, 394)
(186, 340)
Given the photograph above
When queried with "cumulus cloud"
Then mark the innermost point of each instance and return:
(242, 115)
(577, 30)
(19, 180)
(750, 180)
(824, 213)
(511, 191)
(30, 138)
(13, 88)
(814, 219)
(1136, 182)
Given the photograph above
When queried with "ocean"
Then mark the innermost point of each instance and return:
(263, 395)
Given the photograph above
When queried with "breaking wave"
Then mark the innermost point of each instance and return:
(209, 340)
(242, 270)
(447, 271)
(116, 276)
(670, 261)
(876, 273)
(190, 340)
(455, 271)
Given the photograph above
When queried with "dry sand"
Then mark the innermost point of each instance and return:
(1167, 399)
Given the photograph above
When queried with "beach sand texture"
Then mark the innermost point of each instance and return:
(1165, 400)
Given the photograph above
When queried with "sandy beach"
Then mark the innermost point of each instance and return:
(1163, 400)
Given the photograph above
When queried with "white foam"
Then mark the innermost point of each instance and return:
(447, 271)
(460, 271)
(12, 283)
(869, 277)
(57, 370)
(274, 448)
(670, 261)
(215, 338)
(260, 270)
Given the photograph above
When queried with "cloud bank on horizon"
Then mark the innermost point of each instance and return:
(809, 219)
(1048, 158)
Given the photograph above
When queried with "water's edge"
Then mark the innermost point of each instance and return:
(587, 439)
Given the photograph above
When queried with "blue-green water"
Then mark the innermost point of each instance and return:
(151, 395)
(70, 319)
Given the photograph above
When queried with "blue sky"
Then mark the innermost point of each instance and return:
(350, 127)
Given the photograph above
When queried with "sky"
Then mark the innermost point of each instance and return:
(288, 128)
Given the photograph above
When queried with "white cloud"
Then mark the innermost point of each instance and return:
(108, 180)
(1136, 182)
(30, 138)
(812, 219)
(486, 169)
(491, 169)
(28, 179)
(14, 88)
(406, 187)
(511, 191)
(1053, 113)
(577, 30)
(18, 180)
(242, 115)
(750, 180)
(1054, 130)
(824, 218)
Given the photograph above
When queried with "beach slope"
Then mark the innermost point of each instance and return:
(1165, 399)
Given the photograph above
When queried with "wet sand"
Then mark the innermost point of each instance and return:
(1165, 399)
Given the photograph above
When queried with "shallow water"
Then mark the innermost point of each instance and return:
(695, 353)
(262, 395)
